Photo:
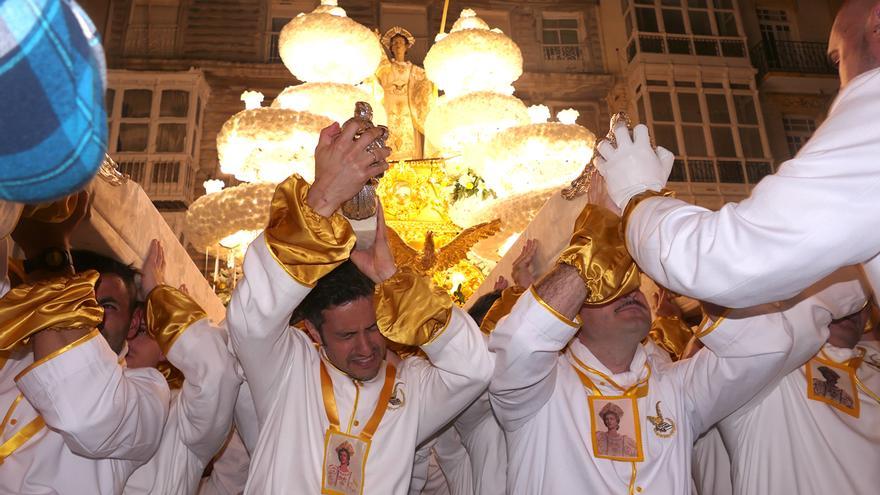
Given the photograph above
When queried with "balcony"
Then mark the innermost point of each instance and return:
(167, 179)
(150, 41)
(798, 57)
(677, 44)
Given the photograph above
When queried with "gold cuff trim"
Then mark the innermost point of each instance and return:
(440, 332)
(59, 303)
(597, 250)
(638, 198)
(305, 244)
(169, 313)
(501, 308)
(409, 310)
(576, 323)
(57, 352)
(714, 325)
(671, 334)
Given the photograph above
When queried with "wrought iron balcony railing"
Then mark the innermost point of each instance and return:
(802, 57)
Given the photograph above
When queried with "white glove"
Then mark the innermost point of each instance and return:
(633, 167)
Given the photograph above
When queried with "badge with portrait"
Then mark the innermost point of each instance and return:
(615, 429)
(345, 458)
(834, 384)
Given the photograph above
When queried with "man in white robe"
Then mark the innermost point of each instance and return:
(785, 441)
(590, 304)
(305, 248)
(818, 212)
(77, 421)
(180, 340)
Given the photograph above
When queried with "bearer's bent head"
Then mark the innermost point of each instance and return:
(625, 319)
(854, 44)
(847, 331)
(340, 315)
(116, 292)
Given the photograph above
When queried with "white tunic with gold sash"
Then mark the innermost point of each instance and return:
(817, 213)
(102, 420)
(543, 405)
(282, 367)
(200, 416)
(786, 442)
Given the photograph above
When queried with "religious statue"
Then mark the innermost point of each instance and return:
(408, 96)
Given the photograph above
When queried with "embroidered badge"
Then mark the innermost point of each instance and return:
(663, 427)
(398, 398)
(834, 384)
(873, 361)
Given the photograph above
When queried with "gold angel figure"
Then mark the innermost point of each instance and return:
(431, 260)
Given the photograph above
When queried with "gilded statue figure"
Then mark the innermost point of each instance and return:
(408, 96)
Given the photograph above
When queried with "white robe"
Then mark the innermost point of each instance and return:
(784, 442)
(200, 416)
(103, 420)
(283, 371)
(442, 466)
(818, 212)
(229, 475)
(486, 446)
(542, 404)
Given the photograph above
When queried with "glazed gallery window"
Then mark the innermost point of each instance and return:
(695, 17)
(152, 121)
(716, 133)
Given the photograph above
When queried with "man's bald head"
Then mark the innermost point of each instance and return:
(854, 44)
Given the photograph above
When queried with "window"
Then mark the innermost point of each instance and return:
(561, 39)
(697, 28)
(152, 28)
(280, 13)
(713, 130)
(774, 25)
(797, 131)
(276, 25)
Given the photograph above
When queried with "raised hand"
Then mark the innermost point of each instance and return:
(343, 165)
(523, 267)
(153, 271)
(633, 166)
(377, 263)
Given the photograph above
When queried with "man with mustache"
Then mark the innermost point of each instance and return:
(589, 307)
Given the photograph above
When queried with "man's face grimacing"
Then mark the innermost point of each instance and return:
(116, 299)
(351, 338)
(627, 315)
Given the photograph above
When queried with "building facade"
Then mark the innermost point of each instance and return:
(732, 87)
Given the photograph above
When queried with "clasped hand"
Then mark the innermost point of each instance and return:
(633, 166)
(343, 165)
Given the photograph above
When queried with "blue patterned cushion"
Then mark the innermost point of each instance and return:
(53, 127)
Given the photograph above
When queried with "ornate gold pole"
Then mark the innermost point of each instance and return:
(443, 20)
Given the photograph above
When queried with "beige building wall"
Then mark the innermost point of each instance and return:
(702, 78)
